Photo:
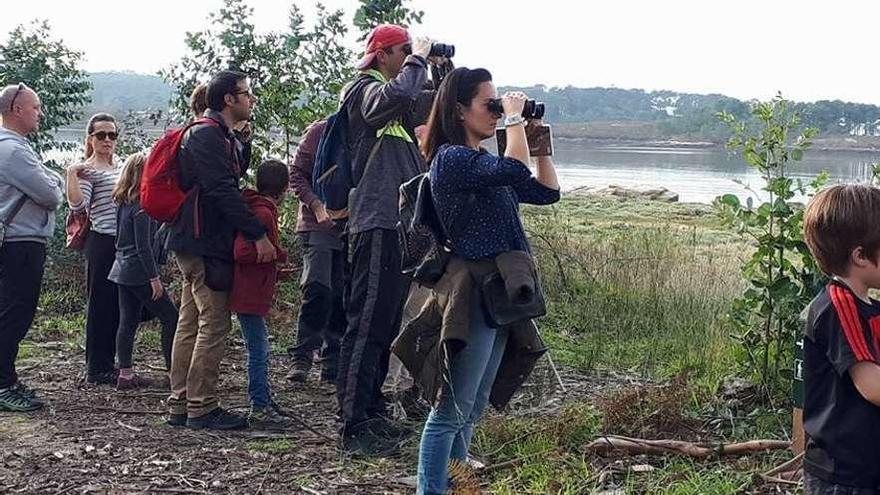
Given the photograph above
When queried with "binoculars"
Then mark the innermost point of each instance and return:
(531, 110)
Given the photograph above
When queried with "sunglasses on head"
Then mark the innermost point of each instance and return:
(17, 92)
(102, 135)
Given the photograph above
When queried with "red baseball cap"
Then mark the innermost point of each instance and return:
(381, 37)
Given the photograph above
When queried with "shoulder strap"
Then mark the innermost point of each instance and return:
(15, 209)
(372, 155)
(356, 86)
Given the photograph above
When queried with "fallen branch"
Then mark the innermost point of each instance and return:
(265, 475)
(132, 428)
(774, 475)
(790, 465)
(779, 481)
(309, 427)
(639, 446)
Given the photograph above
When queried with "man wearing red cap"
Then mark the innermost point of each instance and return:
(385, 103)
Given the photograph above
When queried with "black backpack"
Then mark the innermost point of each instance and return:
(332, 176)
(425, 245)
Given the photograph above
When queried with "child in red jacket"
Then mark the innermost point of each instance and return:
(253, 289)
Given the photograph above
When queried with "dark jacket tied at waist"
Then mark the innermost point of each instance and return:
(442, 327)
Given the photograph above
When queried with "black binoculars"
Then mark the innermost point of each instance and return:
(531, 110)
(442, 50)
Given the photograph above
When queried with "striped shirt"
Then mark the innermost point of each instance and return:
(97, 190)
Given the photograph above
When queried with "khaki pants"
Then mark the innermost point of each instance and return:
(199, 343)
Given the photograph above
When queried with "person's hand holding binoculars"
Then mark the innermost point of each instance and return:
(422, 47)
(513, 103)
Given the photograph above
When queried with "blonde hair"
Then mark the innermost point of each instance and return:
(198, 101)
(128, 189)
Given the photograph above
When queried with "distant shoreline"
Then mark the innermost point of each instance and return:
(645, 134)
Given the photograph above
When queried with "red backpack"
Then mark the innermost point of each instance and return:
(161, 195)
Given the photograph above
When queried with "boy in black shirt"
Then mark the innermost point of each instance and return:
(842, 344)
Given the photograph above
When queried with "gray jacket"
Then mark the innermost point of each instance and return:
(23, 174)
(374, 205)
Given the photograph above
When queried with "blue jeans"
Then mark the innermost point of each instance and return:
(256, 341)
(450, 426)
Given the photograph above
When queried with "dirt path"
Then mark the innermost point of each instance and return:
(93, 439)
(97, 440)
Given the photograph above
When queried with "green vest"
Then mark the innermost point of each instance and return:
(393, 128)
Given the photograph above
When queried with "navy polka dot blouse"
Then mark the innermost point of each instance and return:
(491, 224)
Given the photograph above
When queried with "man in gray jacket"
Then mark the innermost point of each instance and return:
(29, 195)
(388, 99)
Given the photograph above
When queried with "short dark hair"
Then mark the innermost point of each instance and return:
(223, 83)
(445, 126)
(840, 219)
(272, 178)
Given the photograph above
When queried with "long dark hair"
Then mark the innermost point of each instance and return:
(445, 125)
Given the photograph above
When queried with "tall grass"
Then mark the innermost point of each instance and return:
(648, 296)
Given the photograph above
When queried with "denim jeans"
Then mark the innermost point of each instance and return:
(450, 426)
(256, 341)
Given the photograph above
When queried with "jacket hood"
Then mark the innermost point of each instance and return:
(256, 200)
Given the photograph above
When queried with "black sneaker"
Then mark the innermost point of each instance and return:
(176, 420)
(413, 404)
(269, 418)
(24, 390)
(13, 400)
(218, 419)
(366, 442)
(105, 378)
(389, 429)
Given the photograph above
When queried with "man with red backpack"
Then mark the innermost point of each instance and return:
(210, 166)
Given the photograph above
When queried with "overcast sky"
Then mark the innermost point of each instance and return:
(809, 50)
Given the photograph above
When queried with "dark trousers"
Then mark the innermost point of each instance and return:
(132, 301)
(374, 309)
(102, 313)
(322, 314)
(816, 486)
(21, 274)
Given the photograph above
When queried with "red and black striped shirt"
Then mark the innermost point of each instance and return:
(843, 428)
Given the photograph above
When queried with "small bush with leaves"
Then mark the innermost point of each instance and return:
(782, 275)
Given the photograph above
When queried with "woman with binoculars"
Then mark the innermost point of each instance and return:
(479, 194)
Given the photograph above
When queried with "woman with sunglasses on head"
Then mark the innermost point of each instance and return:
(90, 188)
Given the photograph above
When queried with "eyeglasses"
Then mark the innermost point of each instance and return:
(248, 92)
(102, 135)
(17, 92)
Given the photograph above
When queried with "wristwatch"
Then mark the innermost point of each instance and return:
(513, 120)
